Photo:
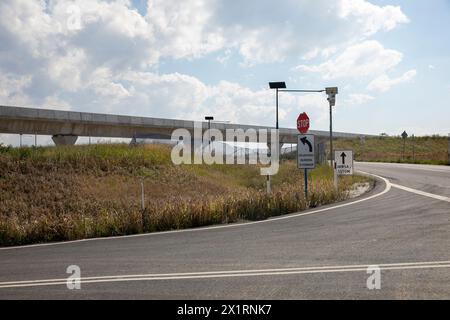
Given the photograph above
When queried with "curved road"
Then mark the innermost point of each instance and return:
(401, 227)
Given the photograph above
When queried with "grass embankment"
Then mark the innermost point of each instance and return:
(67, 193)
(424, 150)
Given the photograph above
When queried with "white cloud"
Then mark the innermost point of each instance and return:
(12, 89)
(225, 57)
(262, 33)
(185, 28)
(114, 33)
(311, 54)
(327, 52)
(358, 99)
(324, 53)
(28, 23)
(103, 84)
(364, 59)
(67, 69)
(167, 93)
(384, 83)
(370, 17)
(54, 102)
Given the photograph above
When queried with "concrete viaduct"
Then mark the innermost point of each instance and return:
(66, 126)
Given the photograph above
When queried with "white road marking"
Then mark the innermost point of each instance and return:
(433, 168)
(289, 216)
(229, 274)
(422, 193)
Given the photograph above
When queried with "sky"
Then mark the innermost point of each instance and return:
(191, 58)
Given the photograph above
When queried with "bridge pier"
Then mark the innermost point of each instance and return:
(64, 140)
(320, 153)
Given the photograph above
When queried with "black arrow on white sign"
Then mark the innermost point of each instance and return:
(305, 140)
(343, 155)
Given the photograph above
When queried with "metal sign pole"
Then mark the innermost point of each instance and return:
(448, 149)
(335, 176)
(306, 183)
(142, 195)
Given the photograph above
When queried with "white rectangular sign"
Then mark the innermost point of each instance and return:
(306, 155)
(343, 160)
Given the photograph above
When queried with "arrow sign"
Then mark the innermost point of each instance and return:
(305, 140)
(343, 162)
(343, 155)
(305, 151)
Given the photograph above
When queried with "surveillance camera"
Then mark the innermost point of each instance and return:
(332, 100)
(331, 91)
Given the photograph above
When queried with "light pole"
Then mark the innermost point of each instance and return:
(209, 119)
(277, 86)
(332, 92)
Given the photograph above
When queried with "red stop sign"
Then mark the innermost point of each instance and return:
(303, 123)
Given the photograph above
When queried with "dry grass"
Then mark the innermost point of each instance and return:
(53, 194)
(425, 150)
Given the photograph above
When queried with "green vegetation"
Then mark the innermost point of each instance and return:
(424, 150)
(67, 193)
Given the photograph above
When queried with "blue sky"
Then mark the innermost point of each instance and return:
(390, 60)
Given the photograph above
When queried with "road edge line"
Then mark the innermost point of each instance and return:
(421, 193)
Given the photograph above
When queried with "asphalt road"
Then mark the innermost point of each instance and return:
(402, 227)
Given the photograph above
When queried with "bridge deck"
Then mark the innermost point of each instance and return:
(20, 120)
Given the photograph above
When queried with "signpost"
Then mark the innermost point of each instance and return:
(343, 161)
(305, 148)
